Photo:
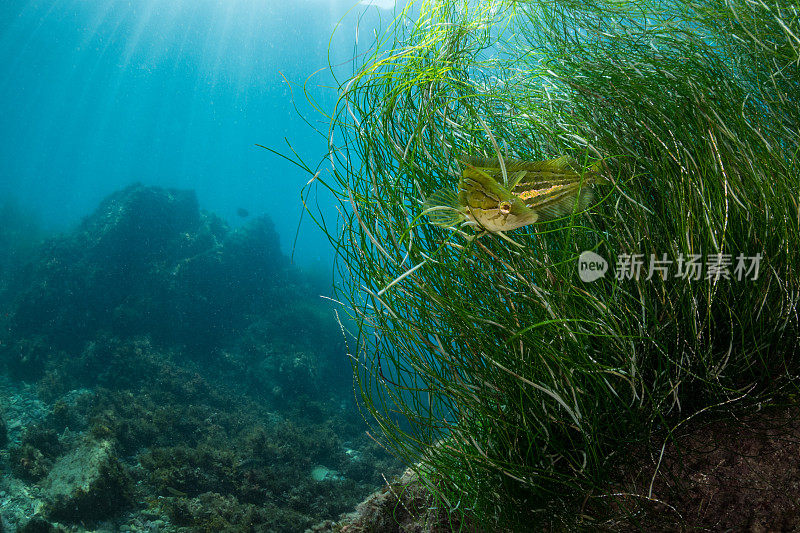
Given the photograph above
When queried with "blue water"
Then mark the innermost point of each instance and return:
(97, 94)
(183, 354)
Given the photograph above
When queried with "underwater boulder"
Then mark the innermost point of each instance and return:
(238, 276)
(87, 483)
(147, 262)
(138, 225)
(79, 280)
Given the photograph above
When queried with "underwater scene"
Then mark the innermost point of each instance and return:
(390, 266)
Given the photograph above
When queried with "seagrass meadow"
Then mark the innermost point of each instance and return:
(510, 384)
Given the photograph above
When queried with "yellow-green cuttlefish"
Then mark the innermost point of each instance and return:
(536, 191)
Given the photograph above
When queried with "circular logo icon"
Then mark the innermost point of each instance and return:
(591, 266)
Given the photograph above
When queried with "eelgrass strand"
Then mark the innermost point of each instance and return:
(511, 385)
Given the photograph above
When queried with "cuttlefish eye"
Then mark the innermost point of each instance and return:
(505, 208)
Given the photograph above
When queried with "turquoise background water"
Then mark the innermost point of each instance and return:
(97, 94)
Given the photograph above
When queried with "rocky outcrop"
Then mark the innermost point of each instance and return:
(154, 342)
(87, 483)
(406, 505)
(148, 261)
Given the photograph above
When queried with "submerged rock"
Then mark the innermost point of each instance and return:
(87, 483)
(406, 505)
(323, 473)
(207, 361)
(148, 261)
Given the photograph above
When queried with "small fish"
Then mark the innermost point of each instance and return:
(242, 212)
(176, 492)
(536, 191)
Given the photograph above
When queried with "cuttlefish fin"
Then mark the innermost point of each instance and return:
(443, 208)
(517, 170)
(575, 198)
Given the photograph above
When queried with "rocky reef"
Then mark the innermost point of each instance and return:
(164, 372)
(148, 262)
